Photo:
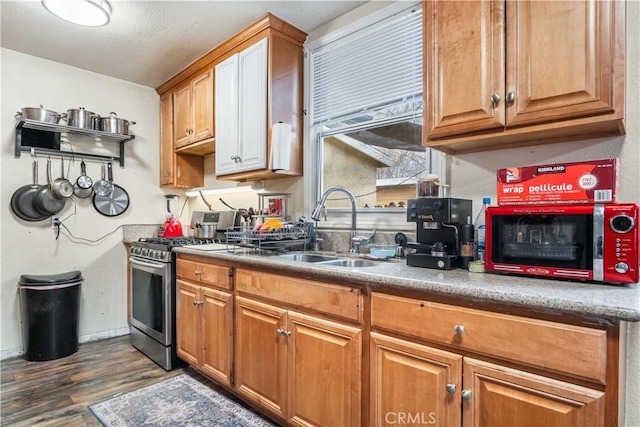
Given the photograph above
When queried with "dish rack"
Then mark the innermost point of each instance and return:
(299, 233)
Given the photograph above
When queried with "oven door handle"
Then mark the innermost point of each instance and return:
(136, 261)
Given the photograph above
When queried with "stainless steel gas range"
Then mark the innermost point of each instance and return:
(152, 275)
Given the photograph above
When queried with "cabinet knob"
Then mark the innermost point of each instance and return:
(451, 388)
(197, 272)
(195, 302)
(279, 332)
(458, 329)
(466, 394)
(495, 98)
(511, 96)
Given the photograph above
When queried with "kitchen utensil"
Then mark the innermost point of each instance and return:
(44, 200)
(83, 180)
(171, 226)
(82, 118)
(113, 124)
(62, 188)
(41, 114)
(116, 202)
(83, 188)
(22, 199)
(103, 187)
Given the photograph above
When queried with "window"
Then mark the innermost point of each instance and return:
(366, 114)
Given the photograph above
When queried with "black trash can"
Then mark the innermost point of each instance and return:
(50, 308)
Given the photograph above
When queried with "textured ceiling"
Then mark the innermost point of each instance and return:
(148, 42)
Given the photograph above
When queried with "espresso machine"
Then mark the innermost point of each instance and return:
(438, 222)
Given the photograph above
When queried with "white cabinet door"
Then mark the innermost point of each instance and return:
(241, 111)
(226, 115)
(253, 107)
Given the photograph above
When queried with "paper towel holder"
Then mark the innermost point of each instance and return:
(280, 155)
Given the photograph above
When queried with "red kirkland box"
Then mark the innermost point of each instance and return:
(593, 181)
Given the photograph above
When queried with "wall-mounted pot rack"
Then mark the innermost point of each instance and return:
(52, 127)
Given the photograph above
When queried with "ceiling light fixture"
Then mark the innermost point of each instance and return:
(90, 13)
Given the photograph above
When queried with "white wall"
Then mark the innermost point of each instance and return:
(31, 247)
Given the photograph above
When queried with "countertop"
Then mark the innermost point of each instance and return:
(613, 302)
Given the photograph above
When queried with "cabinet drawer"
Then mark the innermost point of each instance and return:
(204, 273)
(340, 301)
(570, 349)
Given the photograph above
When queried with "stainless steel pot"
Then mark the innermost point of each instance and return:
(113, 124)
(82, 118)
(41, 114)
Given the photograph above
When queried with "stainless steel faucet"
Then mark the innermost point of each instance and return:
(355, 240)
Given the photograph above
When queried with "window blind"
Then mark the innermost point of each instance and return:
(371, 73)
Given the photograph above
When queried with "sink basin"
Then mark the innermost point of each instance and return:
(351, 263)
(326, 260)
(306, 258)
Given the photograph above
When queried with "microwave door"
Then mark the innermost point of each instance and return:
(598, 243)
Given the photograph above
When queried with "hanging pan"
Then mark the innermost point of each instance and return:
(22, 199)
(45, 200)
(83, 188)
(114, 203)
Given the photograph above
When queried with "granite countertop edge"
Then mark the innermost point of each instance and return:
(612, 302)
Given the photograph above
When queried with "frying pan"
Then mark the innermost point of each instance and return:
(44, 200)
(102, 187)
(116, 202)
(22, 199)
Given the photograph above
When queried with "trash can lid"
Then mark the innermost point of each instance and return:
(50, 279)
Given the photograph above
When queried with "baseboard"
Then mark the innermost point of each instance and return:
(15, 352)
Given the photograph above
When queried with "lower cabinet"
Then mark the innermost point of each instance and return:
(205, 329)
(413, 384)
(303, 368)
(455, 366)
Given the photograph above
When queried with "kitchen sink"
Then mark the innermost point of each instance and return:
(351, 263)
(306, 258)
(327, 260)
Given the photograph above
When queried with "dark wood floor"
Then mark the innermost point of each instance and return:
(58, 392)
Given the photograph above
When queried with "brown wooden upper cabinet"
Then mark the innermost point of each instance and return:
(505, 74)
(188, 129)
(193, 111)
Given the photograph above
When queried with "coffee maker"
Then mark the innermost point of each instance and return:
(438, 222)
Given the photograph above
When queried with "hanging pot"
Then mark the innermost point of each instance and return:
(62, 188)
(116, 202)
(83, 188)
(44, 201)
(82, 118)
(22, 199)
(113, 124)
(41, 115)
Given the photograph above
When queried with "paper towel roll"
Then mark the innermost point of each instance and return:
(280, 147)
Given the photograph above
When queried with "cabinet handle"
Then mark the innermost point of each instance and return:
(511, 96)
(451, 388)
(495, 98)
(459, 329)
(466, 394)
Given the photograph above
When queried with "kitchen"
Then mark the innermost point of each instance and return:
(60, 86)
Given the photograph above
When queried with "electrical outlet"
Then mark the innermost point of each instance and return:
(55, 222)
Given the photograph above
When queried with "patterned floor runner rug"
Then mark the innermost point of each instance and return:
(177, 401)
